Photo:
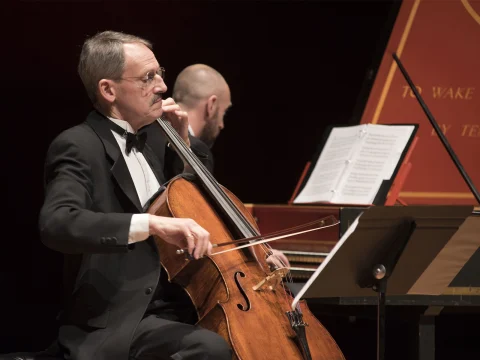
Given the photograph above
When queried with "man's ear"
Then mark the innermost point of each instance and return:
(212, 103)
(106, 90)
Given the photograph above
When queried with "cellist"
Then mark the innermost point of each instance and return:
(99, 176)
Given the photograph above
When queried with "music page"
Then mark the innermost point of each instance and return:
(331, 165)
(380, 151)
(354, 163)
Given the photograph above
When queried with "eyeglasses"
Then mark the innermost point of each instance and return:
(148, 78)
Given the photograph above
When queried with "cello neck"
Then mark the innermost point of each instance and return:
(211, 186)
(185, 153)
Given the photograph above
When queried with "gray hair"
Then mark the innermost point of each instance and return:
(103, 57)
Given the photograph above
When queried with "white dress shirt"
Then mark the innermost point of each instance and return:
(143, 178)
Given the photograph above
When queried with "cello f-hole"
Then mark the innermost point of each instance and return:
(240, 306)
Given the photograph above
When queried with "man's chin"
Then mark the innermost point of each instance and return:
(147, 120)
(154, 115)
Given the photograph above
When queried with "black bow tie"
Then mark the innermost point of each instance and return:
(133, 140)
(136, 141)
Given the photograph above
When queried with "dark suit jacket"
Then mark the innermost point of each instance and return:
(89, 201)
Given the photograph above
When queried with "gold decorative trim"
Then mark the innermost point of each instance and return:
(471, 11)
(393, 67)
(462, 291)
(436, 195)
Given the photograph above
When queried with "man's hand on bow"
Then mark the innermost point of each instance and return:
(184, 233)
(177, 117)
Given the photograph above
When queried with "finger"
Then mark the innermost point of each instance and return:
(190, 243)
(281, 258)
(204, 238)
(199, 244)
(181, 114)
(273, 261)
(204, 244)
(210, 247)
(279, 261)
(169, 108)
(168, 101)
(198, 248)
(284, 260)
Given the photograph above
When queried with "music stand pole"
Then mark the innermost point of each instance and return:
(376, 276)
(379, 274)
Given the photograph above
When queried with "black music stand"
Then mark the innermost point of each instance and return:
(394, 245)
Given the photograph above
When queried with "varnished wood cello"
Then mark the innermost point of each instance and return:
(231, 292)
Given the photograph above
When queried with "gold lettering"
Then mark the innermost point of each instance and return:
(438, 92)
(450, 93)
(443, 127)
(469, 93)
(461, 93)
(464, 129)
(407, 90)
(458, 93)
(474, 131)
(471, 130)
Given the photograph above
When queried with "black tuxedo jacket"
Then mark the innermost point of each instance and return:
(90, 198)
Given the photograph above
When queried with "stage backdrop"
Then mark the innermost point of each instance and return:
(438, 42)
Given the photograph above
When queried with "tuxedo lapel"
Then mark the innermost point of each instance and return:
(154, 163)
(99, 124)
(124, 179)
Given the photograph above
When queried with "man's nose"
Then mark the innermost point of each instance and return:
(160, 85)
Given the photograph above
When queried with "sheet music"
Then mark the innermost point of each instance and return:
(385, 143)
(378, 155)
(354, 163)
(324, 263)
(330, 166)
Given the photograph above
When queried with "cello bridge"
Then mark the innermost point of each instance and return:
(273, 279)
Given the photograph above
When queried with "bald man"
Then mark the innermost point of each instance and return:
(203, 93)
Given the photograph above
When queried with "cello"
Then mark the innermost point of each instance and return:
(233, 293)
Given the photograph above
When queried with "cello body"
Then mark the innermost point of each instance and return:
(253, 322)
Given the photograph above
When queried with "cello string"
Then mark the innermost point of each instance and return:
(212, 185)
(234, 213)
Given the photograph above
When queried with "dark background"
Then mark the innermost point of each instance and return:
(294, 67)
